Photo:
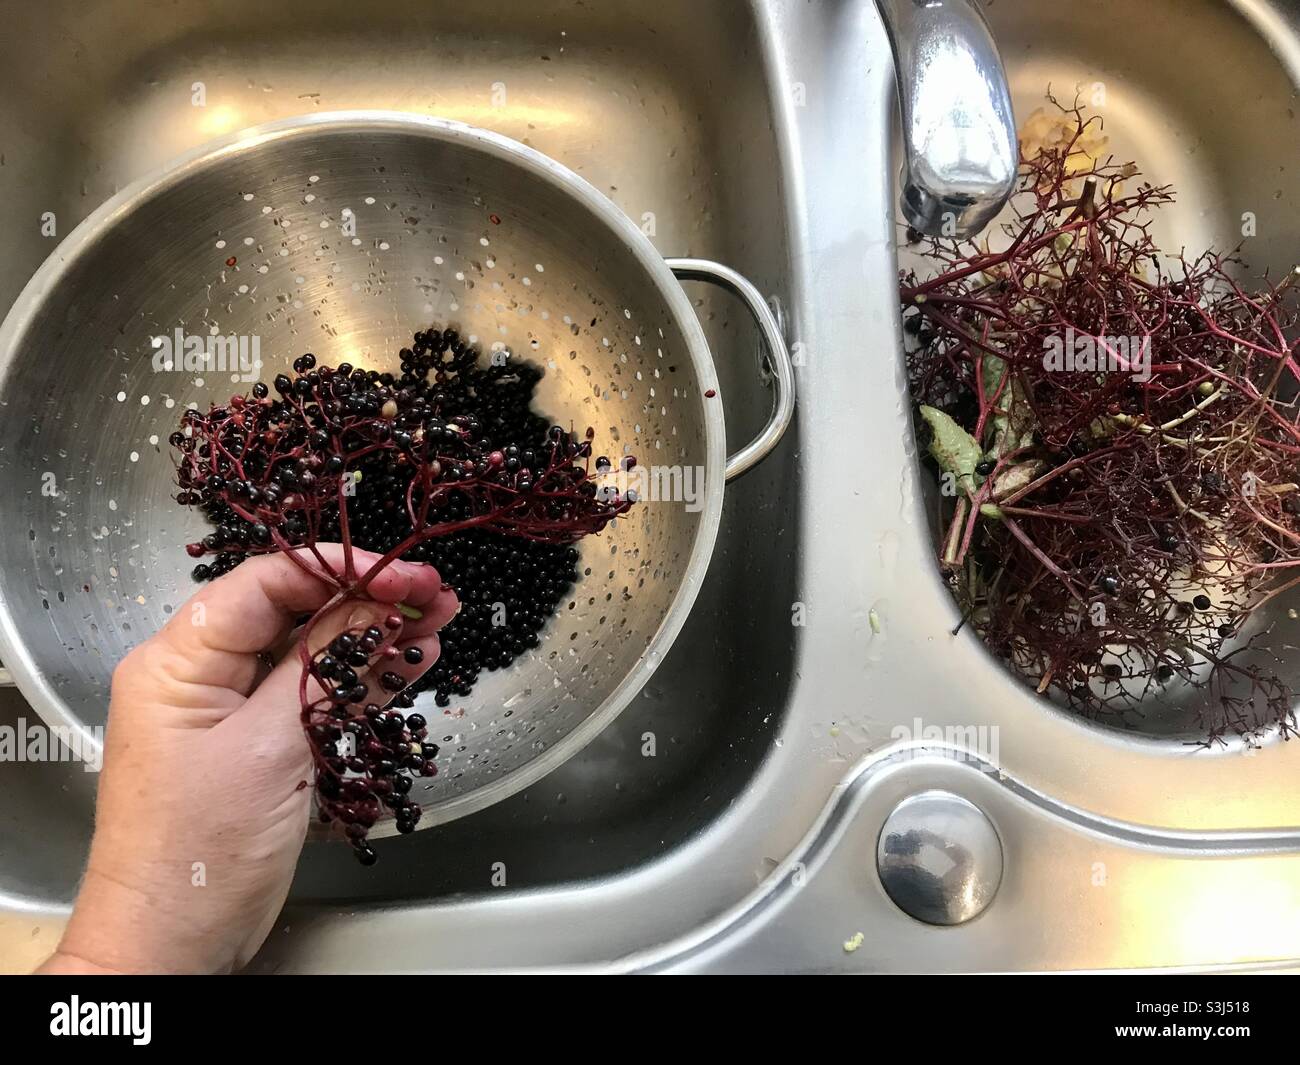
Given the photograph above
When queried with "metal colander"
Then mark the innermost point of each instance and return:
(342, 234)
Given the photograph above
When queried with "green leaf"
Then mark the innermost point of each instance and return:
(1013, 424)
(1013, 478)
(994, 369)
(954, 449)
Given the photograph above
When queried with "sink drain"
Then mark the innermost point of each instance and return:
(939, 858)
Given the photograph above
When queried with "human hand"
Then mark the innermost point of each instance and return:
(202, 807)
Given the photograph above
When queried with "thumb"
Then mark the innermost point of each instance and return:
(276, 704)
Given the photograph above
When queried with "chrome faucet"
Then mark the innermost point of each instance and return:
(959, 132)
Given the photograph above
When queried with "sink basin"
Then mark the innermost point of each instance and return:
(816, 684)
(1225, 144)
(634, 101)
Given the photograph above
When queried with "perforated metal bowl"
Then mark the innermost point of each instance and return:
(341, 234)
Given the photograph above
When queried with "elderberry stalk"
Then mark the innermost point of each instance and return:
(1117, 437)
(393, 465)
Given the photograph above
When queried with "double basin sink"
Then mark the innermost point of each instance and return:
(816, 685)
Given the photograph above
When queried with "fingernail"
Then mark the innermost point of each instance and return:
(363, 617)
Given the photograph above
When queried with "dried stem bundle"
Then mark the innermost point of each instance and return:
(1120, 438)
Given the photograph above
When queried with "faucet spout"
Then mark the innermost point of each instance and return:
(959, 132)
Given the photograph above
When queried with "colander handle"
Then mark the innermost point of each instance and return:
(778, 355)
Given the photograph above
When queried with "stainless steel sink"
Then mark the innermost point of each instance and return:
(816, 684)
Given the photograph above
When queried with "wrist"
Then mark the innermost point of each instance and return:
(65, 963)
(119, 927)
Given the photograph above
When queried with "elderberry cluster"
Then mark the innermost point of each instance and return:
(367, 760)
(444, 463)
